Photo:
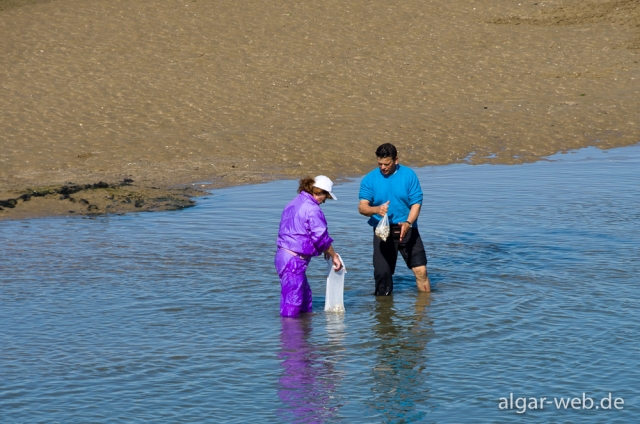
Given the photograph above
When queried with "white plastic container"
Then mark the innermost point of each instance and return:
(334, 301)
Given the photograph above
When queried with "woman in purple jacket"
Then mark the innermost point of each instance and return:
(303, 233)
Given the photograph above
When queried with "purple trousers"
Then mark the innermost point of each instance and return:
(295, 294)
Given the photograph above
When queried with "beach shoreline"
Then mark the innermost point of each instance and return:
(136, 107)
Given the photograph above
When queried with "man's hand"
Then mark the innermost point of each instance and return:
(404, 229)
(414, 212)
(365, 208)
(383, 208)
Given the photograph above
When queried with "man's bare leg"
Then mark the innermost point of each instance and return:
(422, 278)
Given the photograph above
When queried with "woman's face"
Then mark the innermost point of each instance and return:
(321, 198)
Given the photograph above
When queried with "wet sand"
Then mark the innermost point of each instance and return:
(134, 102)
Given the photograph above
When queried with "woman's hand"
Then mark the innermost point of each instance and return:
(335, 258)
(337, 263)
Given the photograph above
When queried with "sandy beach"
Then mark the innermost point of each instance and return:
(114, 106)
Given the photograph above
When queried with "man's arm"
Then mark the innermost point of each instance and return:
(414, 212)
(365, 208)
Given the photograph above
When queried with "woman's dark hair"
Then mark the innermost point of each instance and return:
(387, 150)
(306, 184)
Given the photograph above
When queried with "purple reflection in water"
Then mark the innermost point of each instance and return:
(309, 377)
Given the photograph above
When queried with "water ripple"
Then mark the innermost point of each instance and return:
(174, 316)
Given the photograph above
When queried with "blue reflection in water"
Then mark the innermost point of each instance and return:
(399, 374)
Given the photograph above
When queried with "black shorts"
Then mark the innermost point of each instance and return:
(385, 256)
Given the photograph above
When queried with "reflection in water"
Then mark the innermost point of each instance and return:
(399, 375)
(309, 379)
(159, 329)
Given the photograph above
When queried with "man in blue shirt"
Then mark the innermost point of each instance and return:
(394, 190)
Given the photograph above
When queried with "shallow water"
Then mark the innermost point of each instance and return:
(173, 316)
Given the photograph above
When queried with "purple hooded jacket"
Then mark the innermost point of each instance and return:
(303, 227)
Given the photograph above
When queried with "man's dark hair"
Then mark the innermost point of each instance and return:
(387, 150)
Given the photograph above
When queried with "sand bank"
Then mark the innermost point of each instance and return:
(167, 94)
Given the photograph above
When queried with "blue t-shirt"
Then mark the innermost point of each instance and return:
(402, 189)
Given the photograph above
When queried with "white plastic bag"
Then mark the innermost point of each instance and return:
(334, 301)
(383, 229)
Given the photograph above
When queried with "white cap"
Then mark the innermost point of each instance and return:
(325, 184)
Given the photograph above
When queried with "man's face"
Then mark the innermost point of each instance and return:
(387, 165)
